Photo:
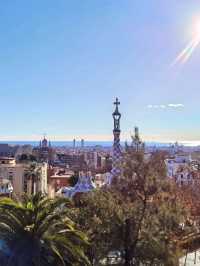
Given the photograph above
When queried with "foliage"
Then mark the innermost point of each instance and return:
(38, 232)
(73, 180)
(100, 216)
(33, 174)
(138, 216)
(27, 158)
(33, 171)
(157, 213)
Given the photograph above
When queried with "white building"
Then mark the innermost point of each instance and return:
(173, 164)
(184, 175)
(179, 168)
(101, 180)
(13, 174)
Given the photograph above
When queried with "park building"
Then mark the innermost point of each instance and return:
(85, 184)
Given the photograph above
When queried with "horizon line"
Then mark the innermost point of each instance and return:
(99, 140)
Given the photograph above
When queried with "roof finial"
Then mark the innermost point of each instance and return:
(116, 116)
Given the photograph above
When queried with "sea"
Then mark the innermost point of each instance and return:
(101, 143)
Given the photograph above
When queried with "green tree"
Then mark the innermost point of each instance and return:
(32, 177)
(150, 230)
(73, 179)
(99, 215)
(38, 232)
(139, 215)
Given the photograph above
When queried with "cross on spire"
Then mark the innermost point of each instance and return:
(116, 116)
(117, 102)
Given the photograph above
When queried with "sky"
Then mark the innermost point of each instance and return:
(62, 63)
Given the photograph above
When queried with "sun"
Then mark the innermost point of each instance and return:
(197, 29)
(187, 52)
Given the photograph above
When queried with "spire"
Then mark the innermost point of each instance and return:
(117, 155)
(116, 116)
(137, 143)
(82, 143)
(136, 129)
(74, 143)
(44, 142)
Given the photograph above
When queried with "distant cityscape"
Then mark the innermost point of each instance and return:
(100, 133)
(77, 166)
(88, 143)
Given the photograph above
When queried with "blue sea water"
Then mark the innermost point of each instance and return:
(99, 143)
(61, 143)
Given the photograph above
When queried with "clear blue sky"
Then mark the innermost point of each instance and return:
(63, 62)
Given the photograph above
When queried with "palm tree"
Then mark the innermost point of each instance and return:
(32, 177)
(38, 232)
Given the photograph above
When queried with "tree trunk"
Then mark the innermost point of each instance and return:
(32, 185)
(127, 255)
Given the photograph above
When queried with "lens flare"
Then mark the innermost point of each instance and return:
(197, 29)
(187, 52)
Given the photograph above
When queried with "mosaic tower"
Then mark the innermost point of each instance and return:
(117, 154)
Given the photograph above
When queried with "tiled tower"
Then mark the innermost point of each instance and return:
(117, 154)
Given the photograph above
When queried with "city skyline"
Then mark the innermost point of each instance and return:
(62, 65)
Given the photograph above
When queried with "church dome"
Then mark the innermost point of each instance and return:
(44, 143)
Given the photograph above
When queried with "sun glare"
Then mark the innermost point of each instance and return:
(197, 29)
(187, 52)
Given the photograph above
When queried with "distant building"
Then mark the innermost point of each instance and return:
(6, 176)
(101, 180)
(74, 161)
(173, 164)
(107, 163)
(82, 143)
(44, 152)
(184, 175)
(7, 150)
(11, 173)
(137, 143)
(92, 159)
(74, 143)
(14, 174)
(59, 177)
(23, 149)
(180, 167)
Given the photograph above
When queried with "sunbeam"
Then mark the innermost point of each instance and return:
(187, 52)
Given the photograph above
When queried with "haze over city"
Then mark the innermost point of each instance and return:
(100, 133)
(63, 63)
